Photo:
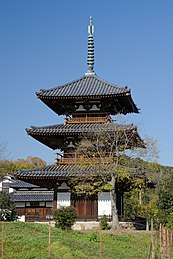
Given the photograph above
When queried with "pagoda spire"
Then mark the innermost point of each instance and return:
(90, 59)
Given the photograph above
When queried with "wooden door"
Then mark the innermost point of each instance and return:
(86, 207)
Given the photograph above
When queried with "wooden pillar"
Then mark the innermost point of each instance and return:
(55, 190)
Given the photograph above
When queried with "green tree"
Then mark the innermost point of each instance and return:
(7, 207)
(104, 153)
(10, 166)
(141, 202)
(165, 197)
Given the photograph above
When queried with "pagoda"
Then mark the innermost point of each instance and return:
(87, 104)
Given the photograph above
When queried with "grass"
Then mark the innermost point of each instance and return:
(30, 241)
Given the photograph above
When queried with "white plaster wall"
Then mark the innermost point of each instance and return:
(11, 190)
(63, 199)
(0, 186)
(21, 218)
(104, 204)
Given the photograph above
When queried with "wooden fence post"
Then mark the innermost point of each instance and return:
(100, 237)
(152, 239)
(2, 248)
(167, 243)
(171, 239)
(49, 236)
(160, 239)
(164, 242)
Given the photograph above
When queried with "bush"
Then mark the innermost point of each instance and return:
(170, 221)
(104, 222)
(7, 207)
(94, 237)
(64, 217)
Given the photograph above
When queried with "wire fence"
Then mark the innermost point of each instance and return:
(42, 243)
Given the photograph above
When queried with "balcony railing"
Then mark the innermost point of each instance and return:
(88, 120)
(84, 160)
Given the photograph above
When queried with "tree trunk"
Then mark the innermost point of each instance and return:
(147, 224)
(113, 195)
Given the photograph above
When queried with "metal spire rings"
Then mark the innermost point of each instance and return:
(90, 60)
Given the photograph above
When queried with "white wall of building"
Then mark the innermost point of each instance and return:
(11, 190)
(6, 183)
(0, 186)
(104, 204)
(63, 199)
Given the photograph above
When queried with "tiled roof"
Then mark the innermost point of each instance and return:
(33, 196)
(21, 184)
(85, 86)
(53, 172)
(63, 172)
(66, 129)
(51, 136)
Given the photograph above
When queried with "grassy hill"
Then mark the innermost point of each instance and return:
(30, 240)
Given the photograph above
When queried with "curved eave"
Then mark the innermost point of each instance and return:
(55, 172)
(58, 172)
(41, 97)
(53, 137)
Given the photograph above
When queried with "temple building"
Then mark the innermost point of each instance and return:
(88, 104)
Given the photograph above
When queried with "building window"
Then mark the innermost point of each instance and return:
(33, 204)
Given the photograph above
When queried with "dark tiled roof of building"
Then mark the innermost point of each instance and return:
(51, 136)
(66, 129)
(85, 86)
(64, 172)
(21, 184)
(53, 172)
(33, 196)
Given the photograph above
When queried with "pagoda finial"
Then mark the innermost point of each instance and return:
(90, 59)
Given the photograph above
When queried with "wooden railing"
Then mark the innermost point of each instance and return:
(83, 160)
(87, 120)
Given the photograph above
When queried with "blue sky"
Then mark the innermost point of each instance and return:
(44, 43)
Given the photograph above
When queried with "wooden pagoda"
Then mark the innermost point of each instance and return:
(87, 104)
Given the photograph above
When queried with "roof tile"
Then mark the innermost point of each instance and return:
(84, 86)
(59, 129)
(33, 196)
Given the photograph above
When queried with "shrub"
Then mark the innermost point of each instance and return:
(64, 217)
(170, 221)
(7, 207)
(94, 237)
(104, 222)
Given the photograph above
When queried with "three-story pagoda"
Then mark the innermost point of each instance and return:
(87, 104)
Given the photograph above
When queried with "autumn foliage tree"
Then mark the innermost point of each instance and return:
(10, 166)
